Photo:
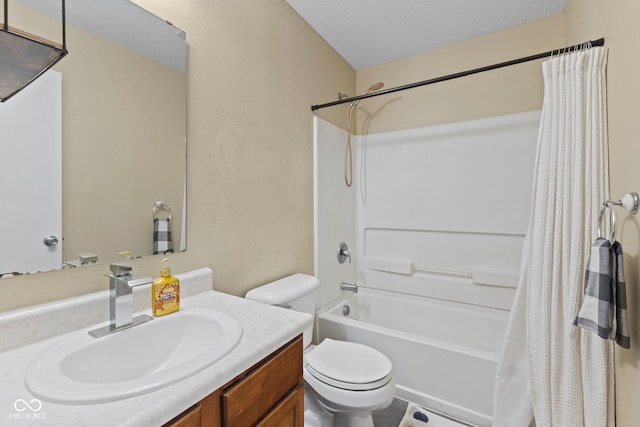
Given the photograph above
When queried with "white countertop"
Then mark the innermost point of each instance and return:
(266, 329)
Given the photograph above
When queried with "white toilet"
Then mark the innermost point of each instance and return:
(344, 381)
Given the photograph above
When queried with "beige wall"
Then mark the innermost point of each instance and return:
(617, 22)
(255, 68)
(507, 90)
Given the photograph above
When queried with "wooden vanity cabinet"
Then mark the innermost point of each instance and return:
(288, 413)
(269, 394)
(274, 382)
(204, 413)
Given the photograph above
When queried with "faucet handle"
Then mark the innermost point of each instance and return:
(120, 269)
(343, 253)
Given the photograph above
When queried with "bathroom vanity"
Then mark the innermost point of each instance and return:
(271, 393)
(259, 382)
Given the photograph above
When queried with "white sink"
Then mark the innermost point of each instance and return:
(82, 369)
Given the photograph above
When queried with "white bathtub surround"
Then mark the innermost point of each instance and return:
(265, 329)
(441, 213)
(446, 208)
(571, 371)
(334, 205)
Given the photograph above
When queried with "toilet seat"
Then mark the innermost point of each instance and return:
(348, 366)
(348, 386)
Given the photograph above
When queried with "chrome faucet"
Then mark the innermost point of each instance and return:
(121, 284)
(349, 287)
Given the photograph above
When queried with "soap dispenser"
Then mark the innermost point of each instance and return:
(165, 292)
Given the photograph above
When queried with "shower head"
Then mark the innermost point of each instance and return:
(372, 88)
(375, 86)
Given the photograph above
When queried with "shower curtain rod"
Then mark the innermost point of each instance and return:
(591, 43)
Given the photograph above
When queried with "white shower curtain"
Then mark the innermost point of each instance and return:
(565, 375)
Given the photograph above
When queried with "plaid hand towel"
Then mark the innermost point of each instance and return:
(162, 236)
(604, 309)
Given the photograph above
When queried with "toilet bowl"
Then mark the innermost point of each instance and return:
(350, 381)
(344, 381)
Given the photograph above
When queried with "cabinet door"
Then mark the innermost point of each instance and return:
(189, 418)
(247, 401)
(289, 413)
(205, 413)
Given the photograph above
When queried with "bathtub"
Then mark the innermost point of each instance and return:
(444, 354)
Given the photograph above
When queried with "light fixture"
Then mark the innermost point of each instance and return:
(24, 57)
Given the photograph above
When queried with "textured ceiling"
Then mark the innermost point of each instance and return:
(123, 23)
(371, 32)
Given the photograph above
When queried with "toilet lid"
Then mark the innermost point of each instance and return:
(347, 365)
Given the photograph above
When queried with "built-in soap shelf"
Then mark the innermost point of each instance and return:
(478, 275)
(388, 265)
(491, 277)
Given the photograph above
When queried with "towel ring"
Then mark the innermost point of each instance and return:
(160, 205)
(612, 224)
(630, 202)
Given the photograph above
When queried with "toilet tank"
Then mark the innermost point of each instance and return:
(298, 292)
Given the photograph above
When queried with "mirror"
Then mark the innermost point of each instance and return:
(123, 113)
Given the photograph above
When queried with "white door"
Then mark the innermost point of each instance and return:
(31, 177)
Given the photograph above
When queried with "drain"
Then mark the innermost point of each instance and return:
(346, 310)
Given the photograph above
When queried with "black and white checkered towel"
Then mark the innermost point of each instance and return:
(604, 309)
(162, 236)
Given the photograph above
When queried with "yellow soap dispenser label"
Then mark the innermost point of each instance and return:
(165, 292)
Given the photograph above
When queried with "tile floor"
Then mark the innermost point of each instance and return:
(391, 416)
